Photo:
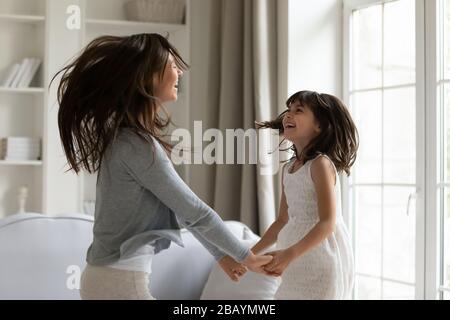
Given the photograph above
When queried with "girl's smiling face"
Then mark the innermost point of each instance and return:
(167, 88)
(300, 125)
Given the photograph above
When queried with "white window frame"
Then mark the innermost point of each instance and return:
(426, 139)
(436, 28)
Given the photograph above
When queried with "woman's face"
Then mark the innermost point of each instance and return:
(167, 88)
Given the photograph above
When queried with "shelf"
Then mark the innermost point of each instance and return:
(20, 163)
(22, 18)
(27, 30)
(28, 90)
(136, 25)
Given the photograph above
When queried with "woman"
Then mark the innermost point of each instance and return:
(109, 120)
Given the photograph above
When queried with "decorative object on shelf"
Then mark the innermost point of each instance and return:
(166, 11)
(22, 197)
(20, 148)
(21, 74)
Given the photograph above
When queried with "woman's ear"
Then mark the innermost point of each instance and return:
(156, 83)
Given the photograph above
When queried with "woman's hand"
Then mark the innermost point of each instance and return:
(281, 259)
(232, 268)
(256, 262)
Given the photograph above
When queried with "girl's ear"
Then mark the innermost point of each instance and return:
(317, 127)
(155, 80)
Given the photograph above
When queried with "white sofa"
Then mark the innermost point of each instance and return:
(41, 257)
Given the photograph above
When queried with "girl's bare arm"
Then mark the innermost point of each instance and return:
(271, 235)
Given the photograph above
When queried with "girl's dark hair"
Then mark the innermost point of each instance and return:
(338, 138)
(109, 86)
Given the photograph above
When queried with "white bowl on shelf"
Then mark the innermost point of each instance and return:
(161, 11)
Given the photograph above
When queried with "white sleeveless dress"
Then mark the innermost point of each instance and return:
(326, 271)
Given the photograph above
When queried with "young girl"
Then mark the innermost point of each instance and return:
(314, 255)
(109, 121)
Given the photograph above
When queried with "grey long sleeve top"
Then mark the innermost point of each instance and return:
(139, 198)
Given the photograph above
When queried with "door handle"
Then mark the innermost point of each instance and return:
(410, 197)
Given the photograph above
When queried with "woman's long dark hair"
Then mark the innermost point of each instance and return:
(109, 86)
(338, 138)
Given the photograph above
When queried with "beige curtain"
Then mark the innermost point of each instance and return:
(244, 90)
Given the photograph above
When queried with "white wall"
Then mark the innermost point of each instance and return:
(315, 46)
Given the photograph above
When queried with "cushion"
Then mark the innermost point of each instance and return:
(41, 257)
(251, 286)
(181, 273)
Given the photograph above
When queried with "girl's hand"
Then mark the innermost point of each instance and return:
(256, 262)
(232, 268)
(281, 259)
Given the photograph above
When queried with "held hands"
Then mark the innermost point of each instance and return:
(281, 259)
(256, 262)
(272, 264)
(233, 269)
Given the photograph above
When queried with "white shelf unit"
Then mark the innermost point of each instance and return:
(23, 7)
(132, 26)
(108, 17)
(22, 90)
(21, 109)
(20, 163)
(38, 28)
(22, 18)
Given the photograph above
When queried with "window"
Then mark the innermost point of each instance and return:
(381, 96)
(443, 101)
(397, 84)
